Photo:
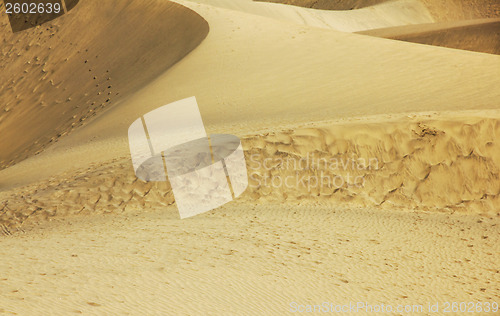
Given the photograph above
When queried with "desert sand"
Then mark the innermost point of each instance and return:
(475, 35)
(83, 235)
(54, 77)
(394, 13)
(445, 10)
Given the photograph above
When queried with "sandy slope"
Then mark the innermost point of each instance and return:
(475, 35)
(250, 90)
(246, 259)
(429, 116)
(454, 10)
(400, 12)
(330, 4)
(444, 10)
(54, 77)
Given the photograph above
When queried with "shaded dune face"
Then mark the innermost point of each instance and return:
(454, 10)
(329, 4)
(55, 77)
(446, 10)
(475, 35)
(483, 38)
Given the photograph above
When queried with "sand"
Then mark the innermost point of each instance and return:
(444, 10)
(475, 35)
(83, 235)
(330, 4)
(400, 12)
(56, 78)
(404, 164)
(249, 259)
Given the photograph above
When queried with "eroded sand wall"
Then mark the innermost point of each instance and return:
(427, 164)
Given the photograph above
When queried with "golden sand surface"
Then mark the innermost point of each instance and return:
(81, 234)
(382, 15)
(248, 259)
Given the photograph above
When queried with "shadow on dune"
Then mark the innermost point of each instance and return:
(329, 4)
(56, 76)
(445, 10)
(474, 35)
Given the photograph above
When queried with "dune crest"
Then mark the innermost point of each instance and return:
(398, 12)
(55, 77)
(373, 164)
(444, 10)
(469, 25)
(329, 4)
(474, 35)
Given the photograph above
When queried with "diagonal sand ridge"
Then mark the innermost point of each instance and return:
(474, 35)
(444, 10)
(399, 12)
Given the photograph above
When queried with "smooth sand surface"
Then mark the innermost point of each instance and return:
(399, 12)
(248, 259)
(84, 235)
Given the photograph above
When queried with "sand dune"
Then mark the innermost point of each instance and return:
(329, 4)
(474, 35)
(256, 91)
(399, 12)
(403, 162)
(249, 259)
(340, 75)
(455, 10)
(394, 163)
(53, 77)
(444, 10)
(93, 147)
(423, 226)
